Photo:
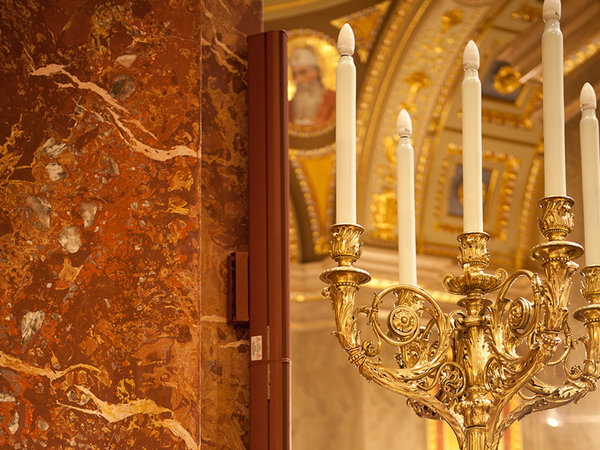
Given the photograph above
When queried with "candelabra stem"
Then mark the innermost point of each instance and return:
(464, 367)
(474, 438)
(471, 348)
(476, 351)
(343, 297)
(344, 281)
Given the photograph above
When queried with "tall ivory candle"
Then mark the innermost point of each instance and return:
(407, 253)
(471, 137)
(555, 182)
(345, 129)
(590, 176)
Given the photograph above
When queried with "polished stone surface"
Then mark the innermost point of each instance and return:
(224, 218)
(122, 162)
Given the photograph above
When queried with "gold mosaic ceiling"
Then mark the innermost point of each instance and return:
(409, 55)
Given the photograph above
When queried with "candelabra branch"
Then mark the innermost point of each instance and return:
(550, 398)
(579, 380)
(538, 324)
(419, 361)
(344, 281)
(419, 399)
(513, 380)
(590, 316)
(513, 320)
(465, 367)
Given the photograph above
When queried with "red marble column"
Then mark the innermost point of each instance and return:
(225, 348)
(122, 190)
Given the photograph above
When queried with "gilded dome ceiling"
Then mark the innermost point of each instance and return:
(409, 55)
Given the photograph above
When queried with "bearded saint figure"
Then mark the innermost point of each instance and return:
(312, 104)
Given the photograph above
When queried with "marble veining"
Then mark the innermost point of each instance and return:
(122, 191)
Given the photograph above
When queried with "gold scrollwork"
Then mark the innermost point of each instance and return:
(506, 80)
(466, 367)
(453, 380)
(422, 410)
(521, 316)
(493, 374)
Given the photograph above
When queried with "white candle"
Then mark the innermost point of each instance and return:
(590, 176)
(471, 137)
(345, 129)
(407, 253)
(555, 182)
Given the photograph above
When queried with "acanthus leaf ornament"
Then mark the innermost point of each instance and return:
(465, 367)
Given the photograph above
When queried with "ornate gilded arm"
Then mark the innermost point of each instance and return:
(540, 323)
(579, 380)
(422, 365)
(465, 367)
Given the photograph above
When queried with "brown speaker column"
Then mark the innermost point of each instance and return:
(269, 241)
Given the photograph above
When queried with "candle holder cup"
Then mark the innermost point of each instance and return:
(465, 367)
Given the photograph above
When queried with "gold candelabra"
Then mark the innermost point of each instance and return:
(464, 367)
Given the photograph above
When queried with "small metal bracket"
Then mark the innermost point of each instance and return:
(237, 301)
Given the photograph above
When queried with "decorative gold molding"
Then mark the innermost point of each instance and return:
(581, 56)
(287, 5)
(365, 24)
(524, 235)
(506, 80)
(475, 3)
(504, 186)
(318, 221)
(294, 237)
(438, 117)
(437, 41)
(384, 205)
(522, 121)
(416, 81)
(526, 13)
(378, 77)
